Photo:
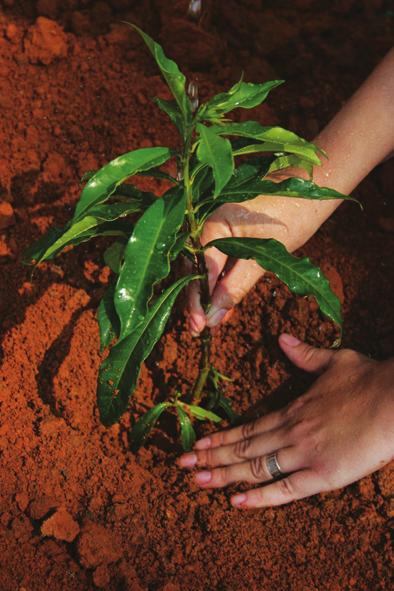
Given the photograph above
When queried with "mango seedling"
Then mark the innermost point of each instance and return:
(150, 233)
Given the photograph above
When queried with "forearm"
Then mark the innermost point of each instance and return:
(359, 137)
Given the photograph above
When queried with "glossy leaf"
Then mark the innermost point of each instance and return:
(119, 371)
(276, 139)
(215, 152)
(108, 320)
(170, 71)
(243, 95)
(113, 256)
(188, 435)
(202, 414)
(104, 183)
(292, 187)
(145, 424)
(147, 258)
(300, 275)
(83, 229)
(283, 162)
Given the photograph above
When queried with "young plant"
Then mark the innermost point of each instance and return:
(150, 233)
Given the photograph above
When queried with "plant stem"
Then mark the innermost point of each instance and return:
(206, 337)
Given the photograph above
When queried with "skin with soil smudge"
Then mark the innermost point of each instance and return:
(56, 459)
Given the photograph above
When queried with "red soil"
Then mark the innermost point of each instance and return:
(78, 510)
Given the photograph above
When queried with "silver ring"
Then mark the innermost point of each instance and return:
(272, 464)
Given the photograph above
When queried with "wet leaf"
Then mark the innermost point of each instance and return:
(188, 435)
(120, 370)
(147, 257)
(98, 222)
(292, 187)
(173, 76)
(300, 275)
(107, 318)
(104, 183)
(215, 152)
(243, 95)
(283, 162)
(225, 405)
(145, 424)
(273, 139)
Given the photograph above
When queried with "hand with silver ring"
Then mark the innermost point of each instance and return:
(340, 430)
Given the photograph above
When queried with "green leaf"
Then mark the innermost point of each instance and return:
(275, 139)
(188, 435)
(292, 187)
(202, 414)
(119, 371)
(108, 320)
(113, 256)
(179, 244)
(130, 194)
(87, 227)
(243, 95)
(300, 275)
(147, 257)
(221, 402)
(36, 251)
(224, 403)
(170, 71)
(145, 424)
(294, 161)
(171, 109)
(104, 183)
(216, 153)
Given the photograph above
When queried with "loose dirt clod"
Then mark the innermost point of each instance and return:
(61, 525)
(45, 42)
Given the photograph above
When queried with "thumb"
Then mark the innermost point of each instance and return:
(305, 356)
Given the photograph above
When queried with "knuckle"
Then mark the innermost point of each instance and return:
(300, 430)
(209, 457)
(248, 429)
(258, 469)
(349, 356)
(287, 488)
(221, 476)
(241, 448)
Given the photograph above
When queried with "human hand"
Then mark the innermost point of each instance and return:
(291, 221)
(340, 430)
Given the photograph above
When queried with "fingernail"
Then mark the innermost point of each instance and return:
(203, 443)
(188, 460)
(238, 500)
(203, 477)
(215, 316)
(288, 339)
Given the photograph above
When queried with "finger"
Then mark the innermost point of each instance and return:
(295, 486)
(215, 261)
(196, 318)
(245, 431)
(305, 356)
(238, 452)
(232, 288)
(215, 227)
(254, 470)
